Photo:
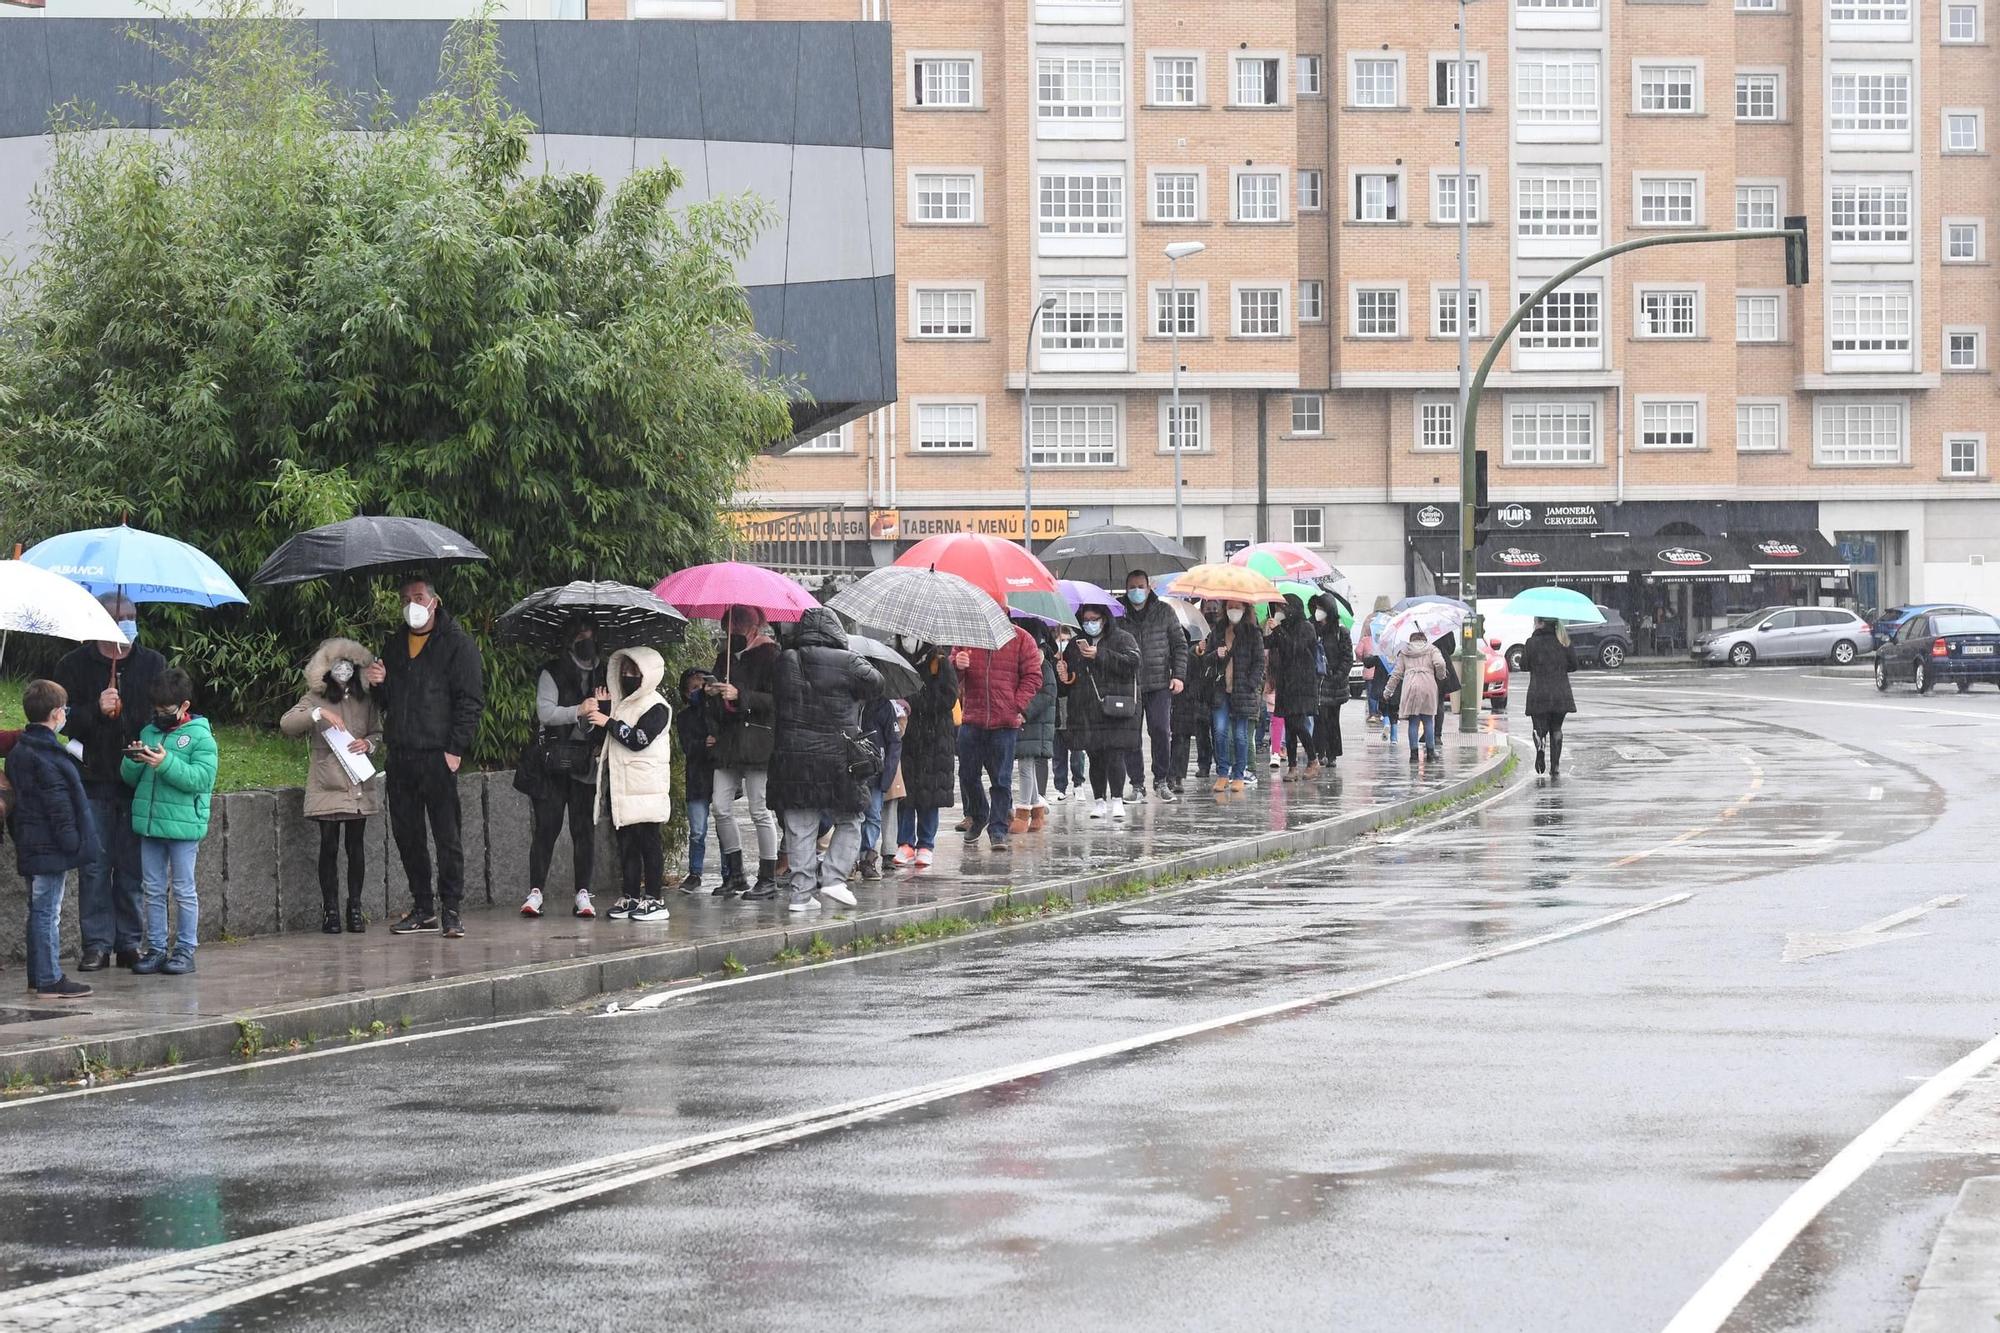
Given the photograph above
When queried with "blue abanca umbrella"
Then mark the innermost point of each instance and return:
(144, 566)
(1564, 604)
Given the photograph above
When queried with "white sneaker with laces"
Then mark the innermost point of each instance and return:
(1117, 808)
(583, 906)
(840, 893)
(533, 905)
(1099, 808)
(623, 909)
(650, 910)
(1274, 759)
(803, 905)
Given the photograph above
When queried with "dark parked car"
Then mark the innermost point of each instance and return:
(1886, 624)
(1606, 645)
(1932, 646)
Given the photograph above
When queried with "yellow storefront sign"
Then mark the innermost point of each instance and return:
(891, 524)
(918, 524)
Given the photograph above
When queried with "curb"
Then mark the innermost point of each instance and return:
(1846, 672)
(541, 986)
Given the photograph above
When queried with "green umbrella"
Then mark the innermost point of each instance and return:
(1268, 565)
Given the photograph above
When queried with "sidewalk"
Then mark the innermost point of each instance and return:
(303, 984)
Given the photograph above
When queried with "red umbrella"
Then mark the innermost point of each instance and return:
(1000, 568)
(1294, 560)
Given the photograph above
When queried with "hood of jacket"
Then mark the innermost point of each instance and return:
(1416, 652)
(1328, 603)
(337, 650)
(1102, 609)
(821, 628)
(652, 671)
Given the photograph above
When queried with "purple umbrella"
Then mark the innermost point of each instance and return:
(1078, 593)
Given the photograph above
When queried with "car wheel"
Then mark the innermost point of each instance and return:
(1499, 703)
(1742, 655)
(1612, 655)
(1514, 658)
(1843, 653)
(1881, 675)
(1965, 687)
(1923, 679)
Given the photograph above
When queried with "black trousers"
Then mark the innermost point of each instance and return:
(641, 862)
(421, 789)
(332, 832)
(1298, 736)
(1326, 733)
(1108, 767)
(1548, 726)
(563, 795)
(1158, 706)
(1202, 742)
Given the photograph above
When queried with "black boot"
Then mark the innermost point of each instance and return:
(330, 922)
(766, 886)
(733, 882)
(357, 920)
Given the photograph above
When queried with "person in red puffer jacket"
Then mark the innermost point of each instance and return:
(995, 687)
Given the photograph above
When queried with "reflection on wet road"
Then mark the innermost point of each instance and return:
(1567, 1136)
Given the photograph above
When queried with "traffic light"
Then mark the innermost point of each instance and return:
(1482, 509)
(1798, 258)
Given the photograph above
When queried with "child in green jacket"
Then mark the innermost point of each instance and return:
(171, 768)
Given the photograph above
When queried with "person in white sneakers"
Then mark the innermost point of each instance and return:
(1099, 675)
(636, 777)
(822, 764)
(559, 772)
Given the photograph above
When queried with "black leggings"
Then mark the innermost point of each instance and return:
(1298, 736)
(330, 837)
(577, 800)
(1326, 733)
(1548, 726)
(1107, 767)
(641, 862)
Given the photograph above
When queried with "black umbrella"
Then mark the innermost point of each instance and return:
(371, 544)
(1105, 555)
(900, 680)
(625, 617)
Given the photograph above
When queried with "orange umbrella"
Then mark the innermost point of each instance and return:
(1225, 583)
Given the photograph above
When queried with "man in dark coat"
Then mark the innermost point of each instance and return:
(109, 686)
(930, 753)
(1295, 683)
(52, 832)
(1163, 672)
(1336, 660)
(1102, 663)
(1549, 659)
(431, 683)
(821, 689)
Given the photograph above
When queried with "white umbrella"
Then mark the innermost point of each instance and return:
(1437, 620)
(34, 601)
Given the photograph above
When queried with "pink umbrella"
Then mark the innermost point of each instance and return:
(706, 592)
(1297, 562)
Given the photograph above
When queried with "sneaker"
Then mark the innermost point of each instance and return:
(972, 831)
(924, 858)
(150, 962)
(869, 866)
(1058, 797)
(583, 906)
(806, 904)
(623, 909)
(1117, 808)
(1274, 760)
(180, 962)
(906, 855)
(1165, 792)
(1430, 754)
(840, 893)
(65, 989)
(453, 928)
(414, 922)
(650, 911)
(532, 905)
(1000, 844)
(692, 884)
(1100, 807)
(963, 824)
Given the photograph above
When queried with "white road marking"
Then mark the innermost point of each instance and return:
(1874, 793)
(1988, 719)
(1803, 944)
(1710, 1307)
(175, 1288)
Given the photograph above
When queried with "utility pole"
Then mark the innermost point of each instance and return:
(1028, 426)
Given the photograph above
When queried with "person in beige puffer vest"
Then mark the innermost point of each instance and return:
(336, 695)
(637, 779)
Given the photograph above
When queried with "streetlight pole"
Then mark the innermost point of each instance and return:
(1048, 303)
(1471, 667)
(1176, 252)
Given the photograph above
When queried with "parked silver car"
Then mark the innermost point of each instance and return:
(1785, 633)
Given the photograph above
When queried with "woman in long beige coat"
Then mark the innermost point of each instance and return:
(1414, 682)
(336, 695)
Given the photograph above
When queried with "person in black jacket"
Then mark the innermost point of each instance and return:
(52, 832)
(743, 712)
(110, 691)
(1163, 670)
(565, 708)
(1336, 659)
(1294, 681)
(1238, 652)
(930, 753)
(1549, 659)
(697, 737)
(882, 722)
(1447, 687)
(822, 688)
(432, 687)
(1102, 663)
(1192, 707)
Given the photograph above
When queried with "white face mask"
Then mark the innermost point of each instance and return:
(910, 644)
(1277, 619)
(1235, 614)
(1319, 617)
(417, 616)
(342, 672)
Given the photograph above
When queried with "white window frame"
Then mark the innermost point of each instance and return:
(913, 61)
(1312, 301)
(1399, 95)
(1978, 35)
(1872, 249)
(1153, 177)
(1570, 407)
(922, 401)
(1280, 87)
(1396, 198)
(1696, 183)
(1977, 227)
(915, 190)
(1313, 531)
(1095, 233)
(1482, 194)
(1442, 61)
(1100, 409)
(929, 286)
(1279, 195)
(1744, 219)
(1316, 426)
(1236, 293)
(1978, 115)
(1200, 90)
(1868, 20)
(1826, 407)
(1887, 358)
(1542, 343)
(1779, 326)
(1104, 349)
(1872, 131)
(1082, 117)
(1196, 403)
(1696, 301)
(1558, 15)
(1558, 119)
(1312, 190)
(1421, 442)
(1977, 334)
(1310, 69)
(1193, 294)
(1079, 11)
(1780, 408)
(1642, 71)
(1776, 78)
(1760, 6)
(1975, 438)
(1696, 405)
(827, 444)
(1447, 292)
(1573, 240)
(1373, 288)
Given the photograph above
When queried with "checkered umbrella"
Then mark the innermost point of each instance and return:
(927, 604)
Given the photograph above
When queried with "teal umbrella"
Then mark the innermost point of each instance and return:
(1565, 604)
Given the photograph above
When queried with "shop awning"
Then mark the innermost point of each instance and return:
(1546, 556)
(1691, 559)
(1807, 552)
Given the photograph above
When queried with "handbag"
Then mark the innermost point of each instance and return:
(864, 755)
(564, 755)
(1117, 706)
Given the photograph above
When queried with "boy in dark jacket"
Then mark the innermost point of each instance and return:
(51, 829)
(697, 737)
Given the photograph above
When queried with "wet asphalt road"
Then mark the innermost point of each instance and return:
(1572, 1136)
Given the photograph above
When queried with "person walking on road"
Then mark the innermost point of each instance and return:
(1163, 674)
(1238, 649)
(1412, 691)
(570, 745)
(109, 687)
(431, 683)
(51, 829)
(821, 770)
(743, 711)
(1335, 661)
(635, 777)
(930, 749)
(1549, 659)
(1036, 746)
(1295, 695)
(996, 686)
(337, 697)
(1100, 674)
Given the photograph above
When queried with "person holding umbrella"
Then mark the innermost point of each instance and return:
(1549, 659)
(336, 699)
(570, 699)
(1295, 684)
(930, 750)
(1100, 676)
(743, 709)
(431, 683)
(1238, 652)
(1413, 689)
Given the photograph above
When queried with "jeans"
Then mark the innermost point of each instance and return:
(641, 863)
(108, 881)
(332, 833)
(1377, 682)
(697, 834)
(916, 826)
(45, 895)
(1421, 723)
(420, 787)
(988, 752)
(1232, 744)
(1159, 711)
(564, 795)
(170, 865)
(812, 867)
(871, 821)
(1068, 765)
(749, 782)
